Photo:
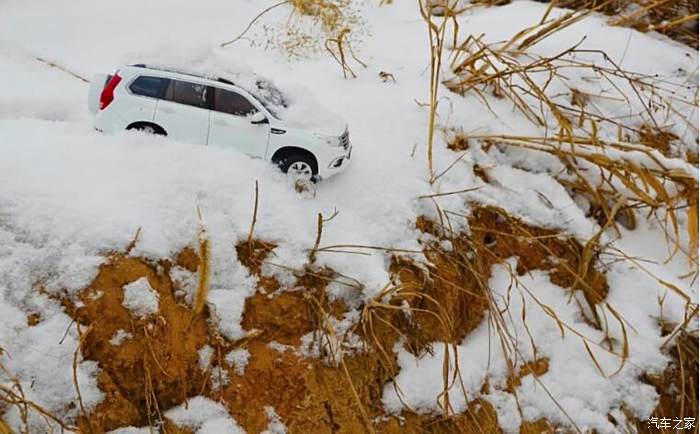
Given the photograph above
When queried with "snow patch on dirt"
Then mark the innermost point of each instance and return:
(140, 298)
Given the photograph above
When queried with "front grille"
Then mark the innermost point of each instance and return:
(345, 139)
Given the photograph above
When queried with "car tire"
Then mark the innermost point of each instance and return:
(299, 166)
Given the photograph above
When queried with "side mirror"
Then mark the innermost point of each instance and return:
(258, 118)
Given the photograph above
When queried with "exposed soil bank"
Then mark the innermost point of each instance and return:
(157, 364)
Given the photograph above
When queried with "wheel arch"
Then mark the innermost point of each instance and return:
(139, 124)
(290, 150)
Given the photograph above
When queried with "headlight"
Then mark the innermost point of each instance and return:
(330, 140)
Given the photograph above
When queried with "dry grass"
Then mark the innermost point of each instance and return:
(678, 384)
(634, 173)
(496, 237)
(315, 26)
(436, 36)
(338, 21)
(678, 19)
(606, 158)
(203, 270)
(12, 395)
(640, 168)
(330, 13)
(435, 294)
(447, 295)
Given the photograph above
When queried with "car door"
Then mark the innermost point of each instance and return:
(184, 111)
(230, 124)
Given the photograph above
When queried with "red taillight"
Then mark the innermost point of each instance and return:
(107, 95)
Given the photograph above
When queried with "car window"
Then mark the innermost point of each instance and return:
(232, 103)
(184, 92)
(153, 87)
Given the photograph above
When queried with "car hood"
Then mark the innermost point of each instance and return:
(314, 120)
(296, 106)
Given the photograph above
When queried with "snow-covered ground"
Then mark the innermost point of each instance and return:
(68, 194)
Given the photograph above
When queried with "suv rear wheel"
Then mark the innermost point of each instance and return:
(146, 128)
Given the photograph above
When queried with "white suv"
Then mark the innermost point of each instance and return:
(215, 112)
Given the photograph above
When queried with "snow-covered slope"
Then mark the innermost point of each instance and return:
(69, 195)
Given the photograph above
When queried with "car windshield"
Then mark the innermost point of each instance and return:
(269, 96)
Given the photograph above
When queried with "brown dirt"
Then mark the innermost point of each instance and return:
(540, 426)
(33, 319)
(158, 367)
(188, 259)
(457, 279)
(458, 143)
(535, 367)
(283, 318)
(446, 290)
(151, 371)
(480, 418)
(677, 386)
(252, 255)
(498, 236)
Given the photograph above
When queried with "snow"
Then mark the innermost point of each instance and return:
(275, 424)
(40, 359)
(584, 394)
(134, 430)
(335, 341)
(218, 379)
(239, 359)
(185, 283)
(205, 354)
(140, 298)
(226, 308)
(205, 416)
(70, 195)
(119, 337)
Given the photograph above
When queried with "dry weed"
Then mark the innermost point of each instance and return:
(317, 25)
(12, 395)
(678, 384)
(203, 269)
(606, 157)
(678, 19)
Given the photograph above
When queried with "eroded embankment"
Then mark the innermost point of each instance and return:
(158, 364)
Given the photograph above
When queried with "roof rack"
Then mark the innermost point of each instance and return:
(180, 71)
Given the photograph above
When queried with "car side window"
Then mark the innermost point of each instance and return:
(226, 101)
(153, 87)
(184, 92)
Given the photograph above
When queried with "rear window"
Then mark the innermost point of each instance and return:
(153, 87)
(184, 92)
(232, 103)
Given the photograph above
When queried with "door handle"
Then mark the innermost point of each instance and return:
(222, 123)
(167, 110)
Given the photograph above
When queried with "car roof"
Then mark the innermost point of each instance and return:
(182, 72)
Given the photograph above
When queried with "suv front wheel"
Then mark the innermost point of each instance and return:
(299, 167)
